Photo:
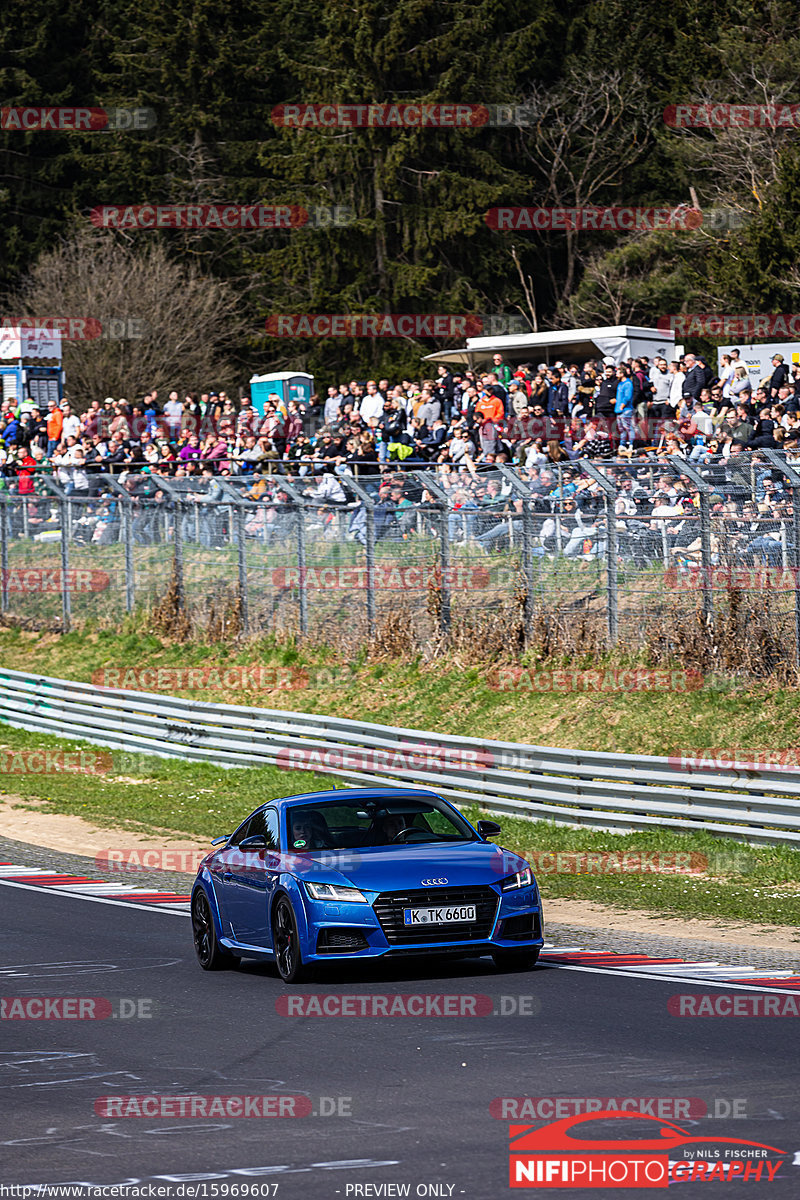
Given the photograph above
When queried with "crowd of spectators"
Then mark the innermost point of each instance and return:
(462, 425)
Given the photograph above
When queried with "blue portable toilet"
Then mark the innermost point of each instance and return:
(289, 385)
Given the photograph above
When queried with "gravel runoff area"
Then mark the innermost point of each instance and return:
(559, 934)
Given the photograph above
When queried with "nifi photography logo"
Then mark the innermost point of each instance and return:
(578, 1152)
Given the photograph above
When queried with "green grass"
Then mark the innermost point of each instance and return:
(442, 696)
(146, 794)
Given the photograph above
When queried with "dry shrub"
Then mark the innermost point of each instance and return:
(169, 616)
(395, 636)
(225, 623)
(31, 624)
(557, 636)
(742, 637)
(476, 637)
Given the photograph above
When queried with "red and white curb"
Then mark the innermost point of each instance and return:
(679, 968)
(84, 886)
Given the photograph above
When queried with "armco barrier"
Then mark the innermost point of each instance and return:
(574, 787)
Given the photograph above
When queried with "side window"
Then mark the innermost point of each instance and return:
(256, 825)
(241, 832)
(272, 830)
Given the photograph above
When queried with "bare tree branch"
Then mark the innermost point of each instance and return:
(189, 323)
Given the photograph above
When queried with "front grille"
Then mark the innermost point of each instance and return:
(389, 911)
(526, 928)
(340, 941)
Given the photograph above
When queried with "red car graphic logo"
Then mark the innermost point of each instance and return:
(554, 1156)
(557, 1136)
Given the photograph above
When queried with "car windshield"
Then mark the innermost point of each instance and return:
(340, 825)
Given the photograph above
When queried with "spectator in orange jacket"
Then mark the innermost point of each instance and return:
(490, 408)
(55, 423)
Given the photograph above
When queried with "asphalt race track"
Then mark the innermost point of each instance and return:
(410, 1095)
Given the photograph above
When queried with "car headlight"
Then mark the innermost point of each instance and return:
(523, 878)
(335, 891)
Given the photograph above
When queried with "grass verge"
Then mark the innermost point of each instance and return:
(603, 714)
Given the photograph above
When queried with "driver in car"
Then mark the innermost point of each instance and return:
(310, 832)
(389, 827)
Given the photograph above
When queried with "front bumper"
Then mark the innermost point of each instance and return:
(504, 921)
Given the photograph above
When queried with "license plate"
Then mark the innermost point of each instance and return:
(453, 914)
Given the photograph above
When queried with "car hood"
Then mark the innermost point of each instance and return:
(392, 868)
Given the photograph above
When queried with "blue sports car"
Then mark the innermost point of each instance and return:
(363, 873)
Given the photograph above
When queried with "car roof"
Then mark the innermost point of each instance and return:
(354, 794)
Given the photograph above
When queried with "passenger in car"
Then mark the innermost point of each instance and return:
(310, 832)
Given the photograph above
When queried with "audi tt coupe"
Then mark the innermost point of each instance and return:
(363, 873)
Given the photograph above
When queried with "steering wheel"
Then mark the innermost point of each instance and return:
(401, 833)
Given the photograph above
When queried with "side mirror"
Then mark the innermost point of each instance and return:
(488, 829)
(256, 842)
(218, 841)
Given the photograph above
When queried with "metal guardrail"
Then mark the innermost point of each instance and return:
(615, 792)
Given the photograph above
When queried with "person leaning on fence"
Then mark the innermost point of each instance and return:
(766, 547)
(577, 534)
(508, 517)
(108, 524)
(280, 518)
(328, 493)
(463, 513)
(385, 522)
(693, 552)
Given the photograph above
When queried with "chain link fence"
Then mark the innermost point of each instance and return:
(697, 562)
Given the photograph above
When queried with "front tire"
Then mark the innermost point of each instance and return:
(286, 941)
(515, 960)
(210, 954)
